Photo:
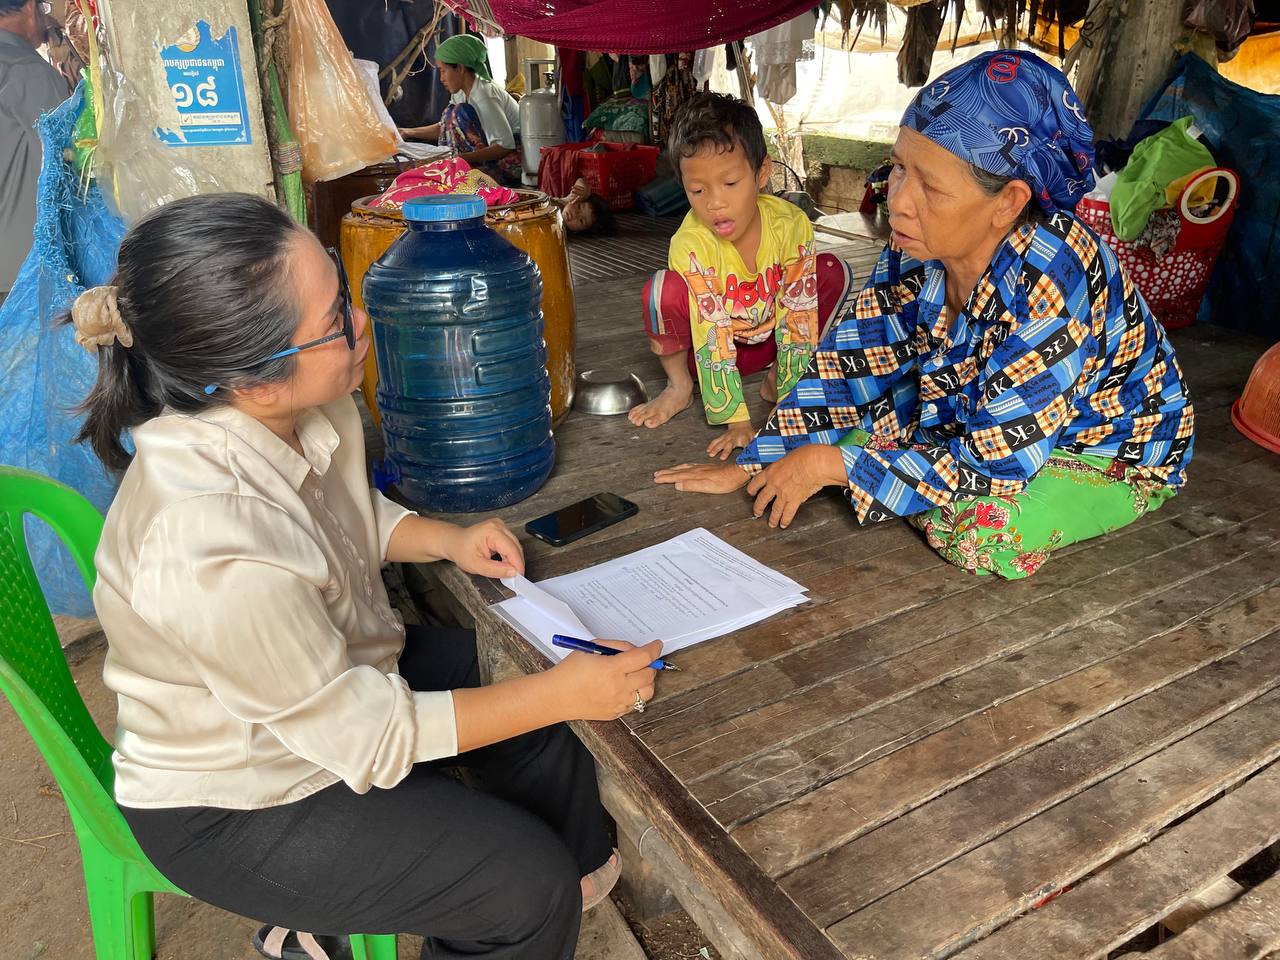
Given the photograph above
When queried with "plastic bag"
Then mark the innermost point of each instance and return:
(44, 374)
(329, 110)
(1229, 22)
(1243, 126)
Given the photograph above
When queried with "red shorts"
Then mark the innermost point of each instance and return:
(666, 313)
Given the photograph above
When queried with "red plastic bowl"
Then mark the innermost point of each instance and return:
(1257, 413)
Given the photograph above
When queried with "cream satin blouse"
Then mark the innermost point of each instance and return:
(251, 643)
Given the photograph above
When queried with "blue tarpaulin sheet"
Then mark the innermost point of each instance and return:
(44, 374)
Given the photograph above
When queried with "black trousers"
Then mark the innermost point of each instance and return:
(479, 873)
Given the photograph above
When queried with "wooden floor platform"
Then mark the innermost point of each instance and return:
(913, 761)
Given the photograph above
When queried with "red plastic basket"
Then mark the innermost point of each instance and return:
(1174, 285)
(619, 171)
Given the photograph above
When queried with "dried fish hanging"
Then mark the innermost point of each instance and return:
(1003, 17)
(924, 27)
(856, 14)
(926, 18)
(1064, 12)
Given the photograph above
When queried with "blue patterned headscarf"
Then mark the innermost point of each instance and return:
(1014, 115)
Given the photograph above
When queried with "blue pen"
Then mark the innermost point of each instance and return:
(586, 646)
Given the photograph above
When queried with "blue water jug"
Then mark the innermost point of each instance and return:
(462, 379)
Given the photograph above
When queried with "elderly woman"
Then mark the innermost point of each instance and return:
(999, 381)
(481, 124)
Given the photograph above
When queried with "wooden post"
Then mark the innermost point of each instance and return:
(1127, 55)
(135, 35)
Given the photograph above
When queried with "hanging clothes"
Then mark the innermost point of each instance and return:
(573, 89)
(598, 80)
(641, 82)
(776, 52)
(621, 73)
(657, 67)
(669, 95)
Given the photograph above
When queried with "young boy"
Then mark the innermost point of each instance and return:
(744, 288)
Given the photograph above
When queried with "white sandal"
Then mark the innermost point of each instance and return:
(603, 879)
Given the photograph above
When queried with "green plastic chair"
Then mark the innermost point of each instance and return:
(119, 879)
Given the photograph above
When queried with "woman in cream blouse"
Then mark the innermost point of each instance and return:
(277, 732)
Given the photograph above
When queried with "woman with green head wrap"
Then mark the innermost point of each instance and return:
(482, 121)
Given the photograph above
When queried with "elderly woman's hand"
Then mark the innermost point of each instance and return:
(782, 486)
(703, 477)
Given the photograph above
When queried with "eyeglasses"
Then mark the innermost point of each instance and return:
(348, 330)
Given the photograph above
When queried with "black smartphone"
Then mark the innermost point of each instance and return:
(582, 518)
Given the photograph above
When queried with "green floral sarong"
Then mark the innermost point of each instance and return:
(1072, 498)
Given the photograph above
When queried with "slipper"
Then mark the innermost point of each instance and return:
(281, 943)
(603, 880)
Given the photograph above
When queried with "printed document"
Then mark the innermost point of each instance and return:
(688, 589)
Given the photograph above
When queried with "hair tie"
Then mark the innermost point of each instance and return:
(96, 316)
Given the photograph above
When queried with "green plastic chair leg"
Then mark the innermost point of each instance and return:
(371, 946)
(114, 912)
(144, 926)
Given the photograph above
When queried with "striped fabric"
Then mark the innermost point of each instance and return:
(1055, 348)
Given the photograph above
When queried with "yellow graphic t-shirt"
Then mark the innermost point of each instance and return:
(730, 304)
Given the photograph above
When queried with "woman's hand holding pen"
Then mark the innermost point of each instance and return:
(605, 688)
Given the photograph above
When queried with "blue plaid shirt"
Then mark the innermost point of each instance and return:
(1055, 348)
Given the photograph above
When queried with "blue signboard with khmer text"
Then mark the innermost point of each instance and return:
(207, 85)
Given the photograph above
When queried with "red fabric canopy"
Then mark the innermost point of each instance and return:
(638, 26)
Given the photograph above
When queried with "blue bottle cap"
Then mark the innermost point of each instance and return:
(444, 208)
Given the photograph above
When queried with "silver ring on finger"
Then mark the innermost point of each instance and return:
(638, 707)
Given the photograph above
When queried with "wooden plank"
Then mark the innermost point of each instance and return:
(769, 787)
(716, 922)
(999, 880)
(767, 917)
(873, 866)
(1106, 910)
(953, 592)
(1248, 928)
(700, 734)
(1065, 685)
(762, 642)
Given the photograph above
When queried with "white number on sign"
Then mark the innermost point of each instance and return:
(207, 93)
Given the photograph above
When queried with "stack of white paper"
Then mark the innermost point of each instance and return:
(689, 589)
(421, 151)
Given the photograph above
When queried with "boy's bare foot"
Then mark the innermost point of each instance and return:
(672, 400)
(769, 387)
(735, 435)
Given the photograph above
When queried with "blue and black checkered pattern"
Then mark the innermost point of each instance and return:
(1055, 348)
